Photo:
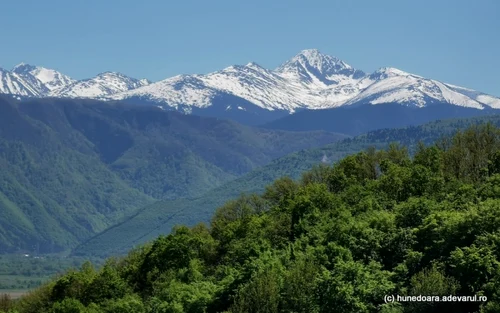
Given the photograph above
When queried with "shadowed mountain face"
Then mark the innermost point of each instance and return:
(71, 168)
(358, 119)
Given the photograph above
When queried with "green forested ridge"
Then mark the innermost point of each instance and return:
(72, 168)
(338, 240)
(53, 196)
(159, 218)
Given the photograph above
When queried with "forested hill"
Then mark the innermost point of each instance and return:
(340, 239)
(72, 168)
(159, 217)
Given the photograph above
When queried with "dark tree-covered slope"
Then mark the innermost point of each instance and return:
(72, 168)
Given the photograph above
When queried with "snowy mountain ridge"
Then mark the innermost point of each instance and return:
(36, 81)
(309, 80)
(104, 84)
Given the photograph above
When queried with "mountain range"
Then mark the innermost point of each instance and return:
(81, 157)
(35, 81)
(250, 93)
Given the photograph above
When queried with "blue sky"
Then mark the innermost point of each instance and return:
(454, 41)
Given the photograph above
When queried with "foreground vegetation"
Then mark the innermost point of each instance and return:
(338, 240)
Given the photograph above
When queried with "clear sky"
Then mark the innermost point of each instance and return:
(456, 41)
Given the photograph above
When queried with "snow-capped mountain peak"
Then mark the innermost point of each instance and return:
(111, 75)
(311, 65)
(51, 79)
(14, 84)
(20, 82)
(119, 78)
(322, 62)
(102, 85)
(386, 72)
(23, 68)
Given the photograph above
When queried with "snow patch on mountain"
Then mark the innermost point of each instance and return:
(489, 101)
(493, 102)
(174, 92)
(259, 86)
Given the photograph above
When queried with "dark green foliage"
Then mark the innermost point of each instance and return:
(340, 239)
(431, 281)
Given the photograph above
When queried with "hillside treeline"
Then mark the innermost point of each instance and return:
(340, 239)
